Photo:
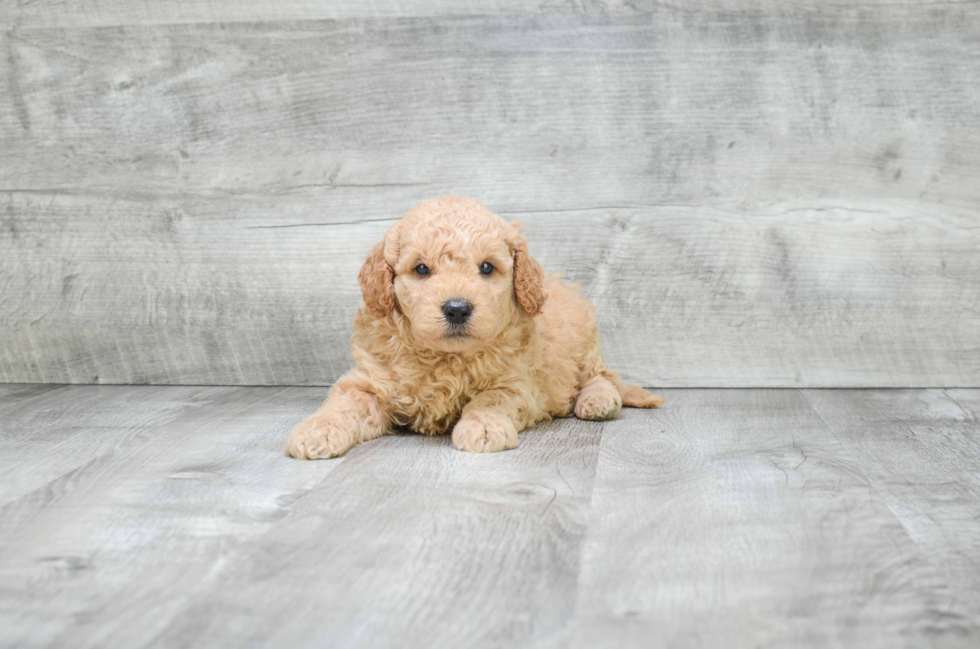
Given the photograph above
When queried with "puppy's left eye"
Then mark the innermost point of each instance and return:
(486, 268)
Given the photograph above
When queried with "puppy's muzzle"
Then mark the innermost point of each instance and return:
(457, 312)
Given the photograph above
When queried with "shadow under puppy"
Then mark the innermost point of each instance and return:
(461, 331)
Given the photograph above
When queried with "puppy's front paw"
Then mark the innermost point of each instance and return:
(319, 437)
(484, 432)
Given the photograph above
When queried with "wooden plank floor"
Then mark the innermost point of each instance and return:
(136, 516)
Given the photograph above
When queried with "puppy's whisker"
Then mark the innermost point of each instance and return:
(457, 331)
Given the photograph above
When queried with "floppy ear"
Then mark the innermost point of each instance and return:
(528, 280)
(377, 282)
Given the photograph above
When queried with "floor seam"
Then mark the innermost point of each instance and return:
(573, 617)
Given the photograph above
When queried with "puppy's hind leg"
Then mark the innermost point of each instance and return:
(598, 399)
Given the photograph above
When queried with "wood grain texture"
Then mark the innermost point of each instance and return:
(14, 396)
(412, 543)
(921, 452)
(738, 519)
(45, 437)
(109, 551)
(764, 198)
(160, 545)
(92, 13)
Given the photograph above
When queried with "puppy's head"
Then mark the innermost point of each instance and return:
(457, 272)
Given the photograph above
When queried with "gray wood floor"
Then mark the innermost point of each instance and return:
(169, 516)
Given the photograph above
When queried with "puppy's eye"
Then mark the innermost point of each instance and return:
(422, 270)
(486, 268)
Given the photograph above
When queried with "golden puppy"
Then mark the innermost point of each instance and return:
(461, 331)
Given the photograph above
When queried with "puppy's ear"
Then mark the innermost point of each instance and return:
(528, 280)
(377, 282)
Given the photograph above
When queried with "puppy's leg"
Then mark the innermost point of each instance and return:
(490, 422)
(348, 417)
(598, 399)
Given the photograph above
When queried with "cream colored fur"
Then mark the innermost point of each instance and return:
(531, 351)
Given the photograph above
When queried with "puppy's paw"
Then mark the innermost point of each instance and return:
(319, 437)
(598, 402)
(484, 432)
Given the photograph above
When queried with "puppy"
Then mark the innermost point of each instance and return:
(460, 331)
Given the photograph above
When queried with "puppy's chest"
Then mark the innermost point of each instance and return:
(429, 400)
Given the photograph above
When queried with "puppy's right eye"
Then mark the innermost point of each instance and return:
(422, 270)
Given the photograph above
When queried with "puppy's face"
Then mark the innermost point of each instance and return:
(454, 282)
(458, 273)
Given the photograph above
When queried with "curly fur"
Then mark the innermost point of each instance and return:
(531, 349)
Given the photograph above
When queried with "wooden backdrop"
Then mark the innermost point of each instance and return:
(753, 193)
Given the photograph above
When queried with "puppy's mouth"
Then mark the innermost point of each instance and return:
(456, 333)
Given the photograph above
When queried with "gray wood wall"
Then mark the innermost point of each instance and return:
(754, 193)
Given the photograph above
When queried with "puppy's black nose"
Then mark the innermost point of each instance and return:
(457, 312)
